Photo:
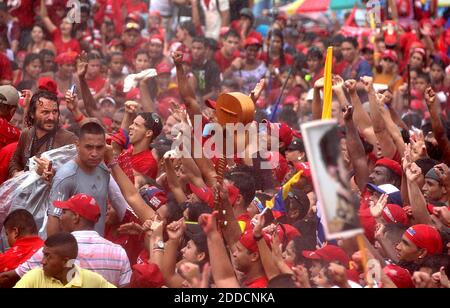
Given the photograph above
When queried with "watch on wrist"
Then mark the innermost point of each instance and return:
(159, 245)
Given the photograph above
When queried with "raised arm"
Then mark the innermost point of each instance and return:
(391, 127)
(356, 151)
(175, 232)
(269, 263)
(438, 127)
(187, 94)
(47, 21)
(360, 117)
(89, 101)
(221, 268)
(129, 191)
(418, 202)
(317, 102)
(173, 181)
(384, 139)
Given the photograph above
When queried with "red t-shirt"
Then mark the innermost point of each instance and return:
(6, 153)
(139, 7)
(288, 59)
(96, 84)
(23, 10)
(22, 250)
(61, 47)
(5, 68)
(142, 162)
(130, 53)
(259, 283)
(223, 62)
(8, 133)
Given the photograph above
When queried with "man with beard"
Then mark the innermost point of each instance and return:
(43, 133)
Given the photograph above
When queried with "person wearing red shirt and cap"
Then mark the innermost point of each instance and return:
(66, 68)
(132, 41)
(155, 48)
(418, 242)
(23, 239)
(139, 158)
(62, 36)
(97, 84)
(246, 259)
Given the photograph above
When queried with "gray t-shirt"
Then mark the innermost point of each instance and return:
(71, 180)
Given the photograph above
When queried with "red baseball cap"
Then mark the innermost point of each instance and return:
(66, 58)
(249, 242)
(82, 204)
(399, 276)
(252, 41)
(391, 165)
(156, 39)
(287, 233)
(393, 214)
(329, 254)
(290, 100)
(154, 197)
(48, 84)
(211, 104)
(206, 194)
(163, 68)
(425, 237)
(389, 54)
(146, 276)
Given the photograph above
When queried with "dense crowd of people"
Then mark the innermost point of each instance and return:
(121, 80)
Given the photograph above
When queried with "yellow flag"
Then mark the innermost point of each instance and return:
(284, 191)
(328, 83)
(292, 8)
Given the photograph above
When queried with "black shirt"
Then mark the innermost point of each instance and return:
(208, 77)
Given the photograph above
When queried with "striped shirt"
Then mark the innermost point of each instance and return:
(95, 254)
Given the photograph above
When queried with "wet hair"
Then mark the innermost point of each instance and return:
(426, 164)
(424, 76)
(141, 52)
(282, 281)
(243, 178)
(29, 118)
(91, 128)
(393, 178)
(30, 58)
(231, 33)
(437, 60)
(351, 40)
(436, 262)
(303, 243)
(201, 40)
(46, 52)
(197, 209)
(23, 221)
(189, 27)
(288, 116)
(279, 34)
(113, 54)
(94, 56)
(337, 40)
(394, 232)
(65, 242)
(314, 53)
(151, 123)
(174, 212)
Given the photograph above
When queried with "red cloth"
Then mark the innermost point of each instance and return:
(5, 68)
(8, 133)
(366, 218)
(143, 163)
(139, 7)
(288, 59)
(22, 250)
(6, 153)
(96, 85)
(132, 244)
(223, 62)
(130, 53)
(72, 45)
(24, 11)
(259, 283)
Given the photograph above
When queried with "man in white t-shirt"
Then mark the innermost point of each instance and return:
(217, 15)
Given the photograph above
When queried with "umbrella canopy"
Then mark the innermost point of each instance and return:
(306, 6)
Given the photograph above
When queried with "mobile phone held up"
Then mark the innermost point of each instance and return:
(73, 89)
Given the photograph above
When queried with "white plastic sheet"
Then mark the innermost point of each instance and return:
(28, 191)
